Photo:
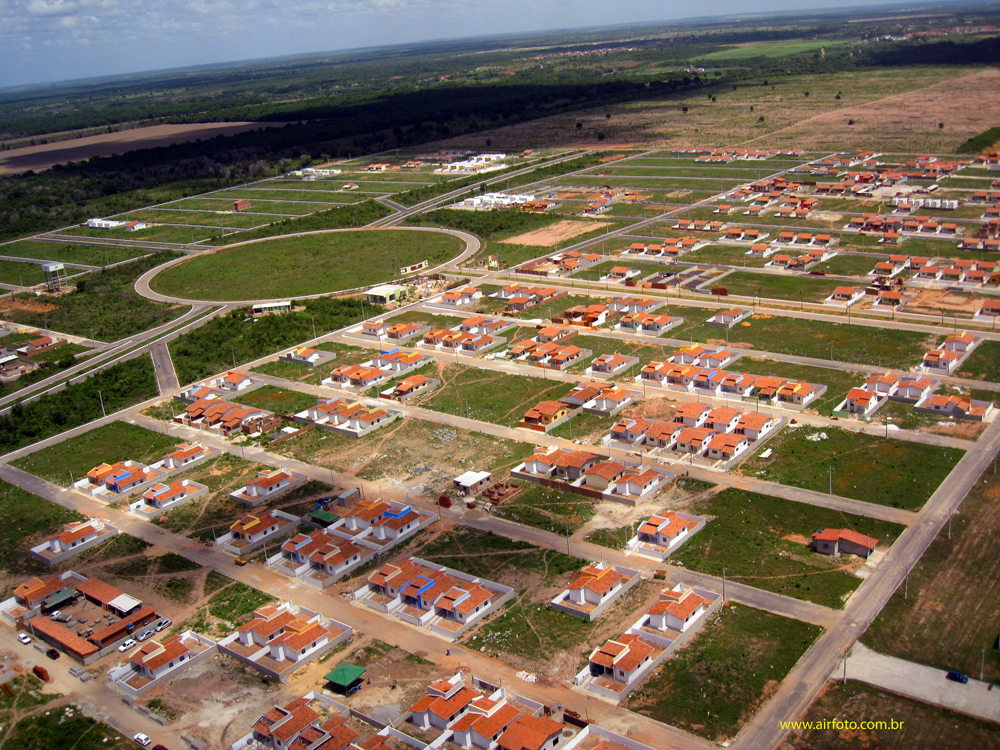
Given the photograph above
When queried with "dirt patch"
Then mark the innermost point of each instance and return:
(796, 538)
(936, 301)
(47, 155)
(16, 304)
(555, 234)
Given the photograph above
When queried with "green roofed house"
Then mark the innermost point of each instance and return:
(346, 678)
(323, 518)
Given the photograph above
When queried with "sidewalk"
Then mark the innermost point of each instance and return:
(927, 684)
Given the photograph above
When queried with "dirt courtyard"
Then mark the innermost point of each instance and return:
(555, 234)
(934, 301)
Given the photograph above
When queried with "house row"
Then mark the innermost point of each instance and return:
(255, 530)
(123, 478)
(226, 418)
(268, 485)
(461, 297)
(588, 474)
(72, 540)
(520, 298)
(395, 332)
(669, 248)
(699, 225)
(306, 356)
(588, 316)
(605, 399)
(433, 596)
(720, 383)
(455, 341)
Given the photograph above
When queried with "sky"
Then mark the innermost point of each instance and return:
(56, 40)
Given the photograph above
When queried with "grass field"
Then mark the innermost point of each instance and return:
(117, 441)
(764, 542)
(715, 683)
(877, 470)
(950, 611)
(22, 274)
(983, 363)
(27, 520)
(920, 724)
(84, 254)
(548, 508)
(847, 265)
(732, 256)
(771, 49)
(490, 396)
(296, 266)
(278, 400)
(842, 342)
(797, 288)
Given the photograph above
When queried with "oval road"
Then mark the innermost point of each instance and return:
(142, 287)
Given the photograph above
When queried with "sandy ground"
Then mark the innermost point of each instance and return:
(27, 305)
(555, 234)
(934, 301)
(47, 155)
(893, 110)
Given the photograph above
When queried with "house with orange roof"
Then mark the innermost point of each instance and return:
(556, 463)
(755, 425)
(798, 394)
(40, 596)
(279, 639)
(110, 482)
(836, 542)
(397, 362)
(356, 376)
(198, 392)
(963, 342)
(186, 455)
(941, 361)
(376, 328)
(72, 540)
(231, 381)
(610, 401)
(629, 431)
(726, 446)
(158, 660)
(403, 331)
(637, 484)
(624, 659)
(529, 732)
(544, 415)
(860, 403)
(301, 724)
(660, 535)
(956, 407)
(461, 297)
(268, 485)
(595, 588)
(679, 608)
(303, 355)
(728, 318)
(255, 530)
(692, 414)
(429, 595)
(609, 365)
(410, 386)
(603, 474)
(845, 296)
(319, 558)
(164, 496)
(662, 434)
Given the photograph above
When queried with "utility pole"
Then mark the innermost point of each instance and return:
(724, 585)
(831, 480)
(103, 413)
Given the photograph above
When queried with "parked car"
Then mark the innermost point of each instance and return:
(145, 635)
(24, 638)
(142, 739)
(163, 624)
(52, 654)
(54, 615)
(955, 676)
(60, 617)
(126, 645)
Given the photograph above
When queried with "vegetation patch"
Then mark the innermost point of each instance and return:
(104, 304)
(120, 386)
(26, 520)
(763, 541)
(897, 473)
(949, 612)
(116, 441)
(548, 508)
(278, 400)
(715, 683)
(65, 727)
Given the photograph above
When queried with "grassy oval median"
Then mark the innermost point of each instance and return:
(297, 266)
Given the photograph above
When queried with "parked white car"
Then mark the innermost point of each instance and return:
(127, 645)
(23, 638)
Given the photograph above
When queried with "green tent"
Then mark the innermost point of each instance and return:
(324, 516)
(344, 676)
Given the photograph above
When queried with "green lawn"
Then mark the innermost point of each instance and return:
(877, 470)
(22, 274)
(713, 685)
(27, 520)
(847, 265)
(491, 396)
(489, 555)
(797, 288)
(116, 441)
(733, 256)
(84, 254)
(278, 400)
(842, 342)
(311, 264)
(763, 541)
(983, 363)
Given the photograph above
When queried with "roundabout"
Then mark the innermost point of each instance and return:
(304, 265)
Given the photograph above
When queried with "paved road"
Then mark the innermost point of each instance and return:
(113, 351)
(163, 367)
(920, 682)
(808, 676)
(415, 640)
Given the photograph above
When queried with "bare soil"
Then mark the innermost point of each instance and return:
(11, 304)
(555, 234)
(936, 301)
(47, 155)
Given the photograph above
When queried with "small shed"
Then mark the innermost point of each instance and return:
(346, 678)
(384, 294)
(241, 205)
(472, 482)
